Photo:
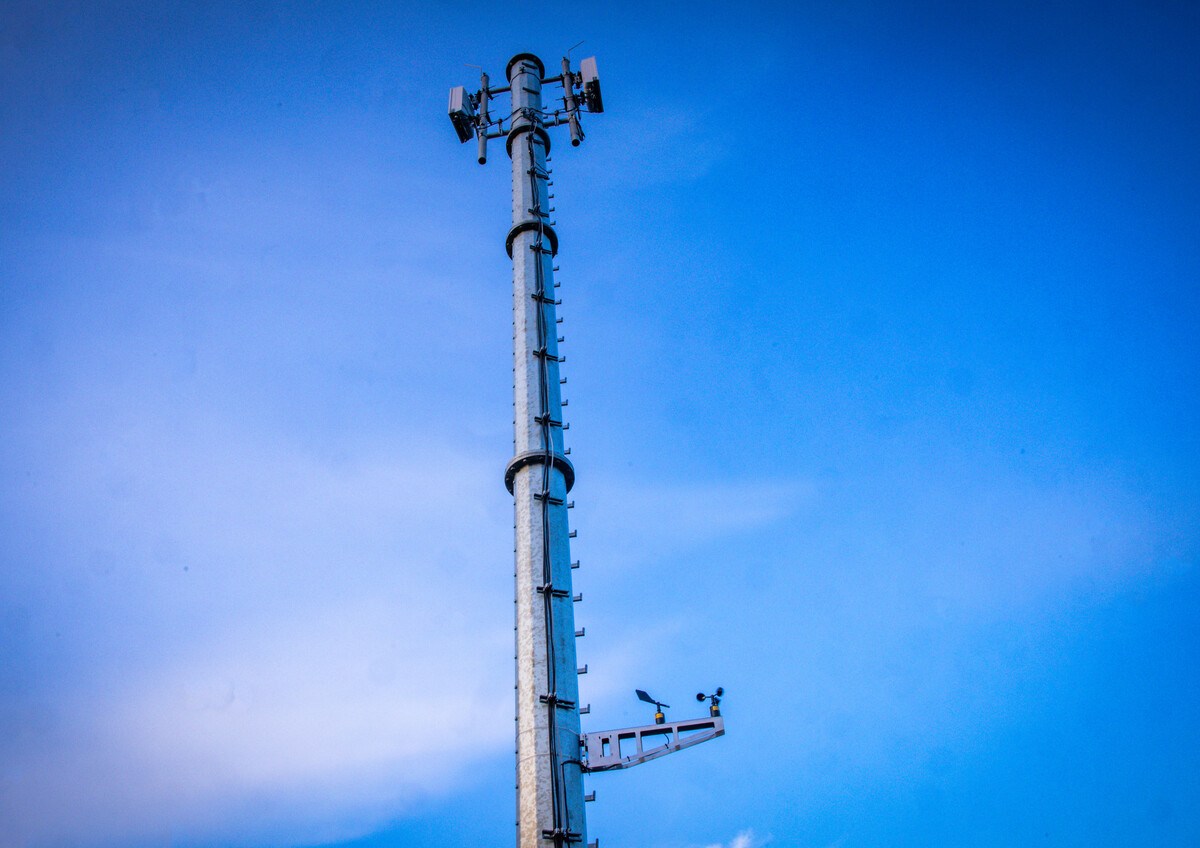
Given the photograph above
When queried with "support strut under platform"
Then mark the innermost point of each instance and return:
(631, 746)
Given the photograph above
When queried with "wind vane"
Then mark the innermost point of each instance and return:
(552, 753)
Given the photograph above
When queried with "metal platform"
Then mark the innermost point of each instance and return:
(631, 746)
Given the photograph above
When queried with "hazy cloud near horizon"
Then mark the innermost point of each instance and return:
(226, 619)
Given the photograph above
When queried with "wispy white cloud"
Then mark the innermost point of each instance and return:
(638, 521)
(347, 713)
(259, 624)
(268, 625)
(744, 839)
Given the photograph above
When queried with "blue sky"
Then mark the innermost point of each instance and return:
(882, 349)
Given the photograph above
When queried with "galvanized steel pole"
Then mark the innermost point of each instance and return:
(549, 769)
(552, 755)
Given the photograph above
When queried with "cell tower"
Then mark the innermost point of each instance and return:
(552, 753)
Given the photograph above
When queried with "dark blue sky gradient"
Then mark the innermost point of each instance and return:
(881, 325)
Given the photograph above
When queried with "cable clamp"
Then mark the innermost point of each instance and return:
(555, 701)
(560, 836)
(554, 593)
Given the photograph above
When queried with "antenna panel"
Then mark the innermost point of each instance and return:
(591, 84)
(462, 113)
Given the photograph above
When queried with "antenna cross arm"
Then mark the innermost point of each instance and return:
(631, 746)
